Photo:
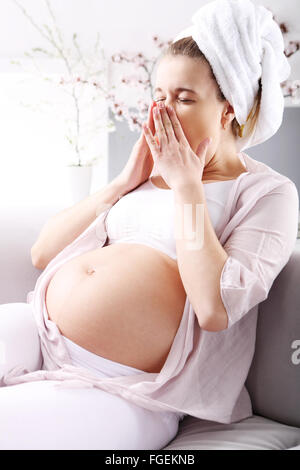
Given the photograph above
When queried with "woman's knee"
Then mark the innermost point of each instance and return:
(19, 338)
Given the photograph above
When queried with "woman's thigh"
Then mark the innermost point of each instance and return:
(36, 415)
(19, 339)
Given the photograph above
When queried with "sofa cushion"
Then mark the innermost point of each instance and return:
(273, 381)
(251, 433)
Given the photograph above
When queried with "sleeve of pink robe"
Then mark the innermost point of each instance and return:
(258, 249)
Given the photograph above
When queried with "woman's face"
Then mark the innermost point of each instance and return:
(200, 113)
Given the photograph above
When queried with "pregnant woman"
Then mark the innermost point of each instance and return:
(147, 305)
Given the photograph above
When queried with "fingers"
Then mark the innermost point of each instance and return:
(152, 141)
(178, 131)
(159, 127)
(150, 117)
(150, 122)
(167, 123)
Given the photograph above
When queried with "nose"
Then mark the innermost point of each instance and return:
(169, 103)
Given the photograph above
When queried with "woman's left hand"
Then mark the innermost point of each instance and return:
(176, 162)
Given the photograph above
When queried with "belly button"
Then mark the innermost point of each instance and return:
(90, 271)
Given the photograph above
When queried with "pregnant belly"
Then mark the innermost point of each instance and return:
(123, 302)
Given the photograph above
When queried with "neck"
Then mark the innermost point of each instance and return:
(225, 169)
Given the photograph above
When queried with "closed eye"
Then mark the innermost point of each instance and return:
(183, 101)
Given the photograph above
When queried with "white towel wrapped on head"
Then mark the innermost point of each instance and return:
(243, 44)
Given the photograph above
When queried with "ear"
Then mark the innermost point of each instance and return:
(228, 114)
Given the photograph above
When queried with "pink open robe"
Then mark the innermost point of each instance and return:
(205, 372)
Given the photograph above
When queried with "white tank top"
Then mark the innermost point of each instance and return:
(146, 215)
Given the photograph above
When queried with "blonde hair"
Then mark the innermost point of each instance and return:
(189, 48)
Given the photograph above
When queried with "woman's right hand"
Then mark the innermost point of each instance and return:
(140, 163)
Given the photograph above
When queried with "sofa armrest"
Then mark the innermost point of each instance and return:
(273, 381)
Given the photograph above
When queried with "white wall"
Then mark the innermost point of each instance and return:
(31, 149)
(123, 24)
